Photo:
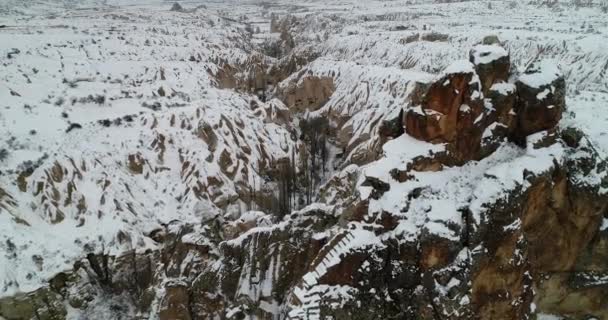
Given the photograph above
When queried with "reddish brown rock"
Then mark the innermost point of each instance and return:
(543, 247)
(557, 220)
(436, 254)
(450, 113)
(473, 109)
(492, 64)
(436, 120)
(540, 99)
(500, 288)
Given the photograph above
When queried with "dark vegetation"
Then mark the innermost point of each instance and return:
(299, 176)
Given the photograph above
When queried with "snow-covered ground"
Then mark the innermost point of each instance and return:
(88, 90)
(103, 100)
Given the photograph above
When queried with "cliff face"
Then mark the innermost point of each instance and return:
(328, 169)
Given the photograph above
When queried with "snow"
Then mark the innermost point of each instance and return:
(541, 74)
(544, 316)
(464, 108)
(485, 54)
(418, 110)
(586, 112)
(117, 63)
(504, 88)
(514, 226)
(460, 66)
(473, 185)
(543, 94)
(120, 52)
(206, 211)
(487, 133)
(398, 153)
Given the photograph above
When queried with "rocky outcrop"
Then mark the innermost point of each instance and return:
(42, 304)
(496, 268)
(492, 65)
(472, 107)
(539, 246)
(454, 221)
(309, 93)
(250, 76)
(557, 218)
(437, 119)
(541, 93)
(259, 75)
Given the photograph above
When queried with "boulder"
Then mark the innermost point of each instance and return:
(452, 112)
(177, 7)
(500, 119)
(378, 186)
(541, 93)
(492, 65)
(472, 108)
(391, 128)
(447, 99)
(490, 39)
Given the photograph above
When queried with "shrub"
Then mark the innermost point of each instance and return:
(3, 154)
(435, 37)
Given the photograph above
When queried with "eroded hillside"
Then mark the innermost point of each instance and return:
(353, 160)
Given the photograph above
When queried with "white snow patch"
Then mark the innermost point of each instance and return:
(484, 54)
(541, 74)
(460, 66)
(504, 88)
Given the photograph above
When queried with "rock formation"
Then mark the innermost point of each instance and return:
(473, 107)
(470, 202)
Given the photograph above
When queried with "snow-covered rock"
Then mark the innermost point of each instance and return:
(327, 160)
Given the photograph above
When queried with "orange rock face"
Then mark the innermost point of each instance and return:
(472, 107)
(436, 120)
(450, 113)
